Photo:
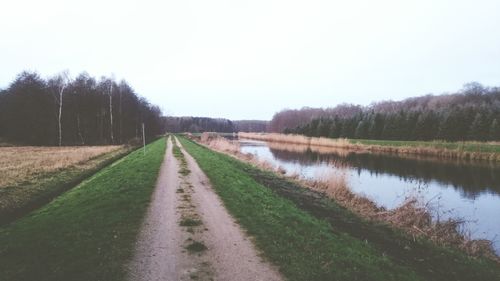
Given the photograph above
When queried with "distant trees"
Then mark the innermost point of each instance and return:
(206, 124)
(291, 118)
(250, 125)
(60, 111)
(198, 125)
(471, 114)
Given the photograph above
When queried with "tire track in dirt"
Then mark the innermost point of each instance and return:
(232, 254)
(188, 234)
(159, 250)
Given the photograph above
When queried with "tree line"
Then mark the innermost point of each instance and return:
(471, 114)
(79, 111)
(198, 125)
(250, 125)
(207, 124)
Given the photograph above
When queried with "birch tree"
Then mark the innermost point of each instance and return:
(58, 84)
(111, 110)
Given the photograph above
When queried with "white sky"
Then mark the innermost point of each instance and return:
(249, 59)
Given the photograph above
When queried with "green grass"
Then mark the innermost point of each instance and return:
(311, 237)
(461, 146)
(87, 233)
(304, 247)
(190, 222)
(183, 170)
(196, 247)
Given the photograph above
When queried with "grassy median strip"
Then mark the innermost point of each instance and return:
(89, 232)
(304, 247)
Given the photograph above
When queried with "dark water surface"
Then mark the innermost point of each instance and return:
(458, 189)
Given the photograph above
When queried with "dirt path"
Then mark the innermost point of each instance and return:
(189, 235)
(159, 254)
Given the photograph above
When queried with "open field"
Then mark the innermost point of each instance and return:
(455, 150)
(27, 163)
(87, 233)
(312, 238)
(31, 176)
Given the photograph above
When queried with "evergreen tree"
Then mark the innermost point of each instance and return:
(362, 130)
(377, 126)
(479, 128)
(495, 130)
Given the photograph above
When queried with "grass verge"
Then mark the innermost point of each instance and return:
(89, 232)
(312, 238)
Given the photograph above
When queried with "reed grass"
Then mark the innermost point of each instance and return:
(219, 143)
(458, 150)
(413, 216)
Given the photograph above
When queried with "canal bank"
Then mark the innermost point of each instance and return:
(451, 189)
(484, 151)
(427, 261)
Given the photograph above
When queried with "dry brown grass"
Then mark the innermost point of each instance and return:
(444, 153)
(295, 139)
(302, 148)
(334, 184)
(26, 163)
(219, 143)
(298, 139)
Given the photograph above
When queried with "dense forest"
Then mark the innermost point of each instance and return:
(471, 114)
(79, 111)
(206, 124)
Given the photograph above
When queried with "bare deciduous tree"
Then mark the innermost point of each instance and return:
(58, 84)
(111, 111)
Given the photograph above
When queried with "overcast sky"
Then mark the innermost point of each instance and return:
(249, 59)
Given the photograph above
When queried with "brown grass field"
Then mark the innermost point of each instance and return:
(32, 176)
(26, 163)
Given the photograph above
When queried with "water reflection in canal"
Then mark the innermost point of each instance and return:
(460, 189)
